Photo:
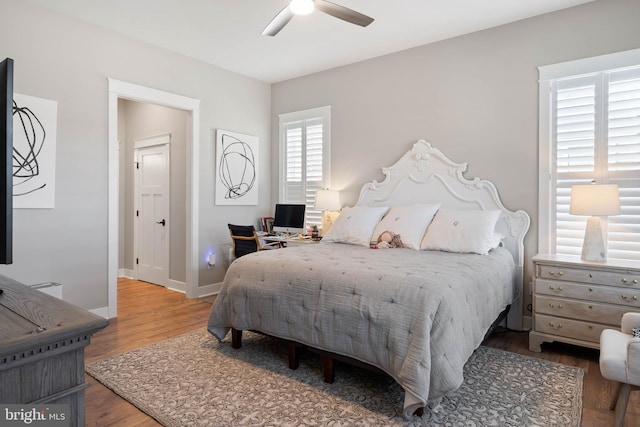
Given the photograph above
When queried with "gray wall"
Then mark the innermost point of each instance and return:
(474, 97)
(65, 60)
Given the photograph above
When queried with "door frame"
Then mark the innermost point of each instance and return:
(163, 140)
(120, 89)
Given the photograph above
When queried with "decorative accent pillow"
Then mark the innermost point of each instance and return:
(635, 332)
(355, 225)
(463, 231)
(410, 222)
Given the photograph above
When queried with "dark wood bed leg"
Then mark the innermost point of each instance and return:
(236, 338)
(327, 367)
(419, 412)
(294, 355)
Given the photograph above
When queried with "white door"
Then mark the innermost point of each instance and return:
(152, 214)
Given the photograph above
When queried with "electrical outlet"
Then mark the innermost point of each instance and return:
(211, 261)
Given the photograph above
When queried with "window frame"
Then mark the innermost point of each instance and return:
(323, 113)
(549, 74)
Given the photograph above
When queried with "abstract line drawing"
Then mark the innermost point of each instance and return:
(236, 177)
(25, 164)
(238, 182)
(34, 140)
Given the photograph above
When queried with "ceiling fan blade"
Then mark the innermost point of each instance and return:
(278, 22)
(343, 13)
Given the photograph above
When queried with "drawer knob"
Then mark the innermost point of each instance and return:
(624, 280)
(591, 275)
(590, 306)
(635, 281)
(553, 273)
(590, 326)
(555, 327)
(553, 288)
(559, 306)
(590, 289)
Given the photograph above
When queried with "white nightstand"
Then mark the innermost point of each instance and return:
(574, 300)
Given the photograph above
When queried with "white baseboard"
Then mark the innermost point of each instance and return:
(125, 272)
(174, 285)
(102, 312)
(213, 289)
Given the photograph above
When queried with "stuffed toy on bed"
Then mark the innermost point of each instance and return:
(386, 240)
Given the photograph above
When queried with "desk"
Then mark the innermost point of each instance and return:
(42, 341)
(290, 241)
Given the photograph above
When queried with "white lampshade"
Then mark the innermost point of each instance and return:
(595, 200)
(327, 200)
(301, 7)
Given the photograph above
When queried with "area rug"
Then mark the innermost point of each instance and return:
(193, 380)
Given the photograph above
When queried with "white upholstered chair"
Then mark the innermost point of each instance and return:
(620, 362)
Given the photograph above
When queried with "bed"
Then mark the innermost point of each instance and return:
(416, 312)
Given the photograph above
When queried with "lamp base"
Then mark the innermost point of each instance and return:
(327, 220)
(594, 247)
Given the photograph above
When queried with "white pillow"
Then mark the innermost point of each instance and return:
(355, 225)
(464, 231)
(410, 222)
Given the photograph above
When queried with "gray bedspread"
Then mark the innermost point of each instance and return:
(417, 315)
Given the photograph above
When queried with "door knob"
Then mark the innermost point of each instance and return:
(163, 222)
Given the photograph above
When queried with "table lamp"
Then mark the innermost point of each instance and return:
(328, 201)
(596, 200)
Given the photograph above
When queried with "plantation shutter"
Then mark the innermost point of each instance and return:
(304, 159)
(575, 121)
(315, 177)
(624, 161)
(596, 136)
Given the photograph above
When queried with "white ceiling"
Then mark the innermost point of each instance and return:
(226, 33)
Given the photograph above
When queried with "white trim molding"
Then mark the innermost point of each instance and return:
(119, 89)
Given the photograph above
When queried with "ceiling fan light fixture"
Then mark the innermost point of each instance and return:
(301, 7)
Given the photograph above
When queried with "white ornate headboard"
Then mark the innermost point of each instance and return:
(425, 175)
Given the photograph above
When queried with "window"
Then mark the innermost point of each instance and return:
(590, 131)
(305, 140)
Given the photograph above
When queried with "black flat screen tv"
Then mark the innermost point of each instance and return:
(6, 161)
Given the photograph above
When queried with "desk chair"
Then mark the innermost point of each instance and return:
(246, 240)
(620, 362)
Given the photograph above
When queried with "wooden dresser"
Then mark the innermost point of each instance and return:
(42, 341)
(574, 300)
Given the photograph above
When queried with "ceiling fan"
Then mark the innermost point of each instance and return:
(304, 7)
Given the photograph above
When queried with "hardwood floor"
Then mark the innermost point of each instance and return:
(146, 314)
(149, 313)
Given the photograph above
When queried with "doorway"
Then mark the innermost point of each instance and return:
(123, 90)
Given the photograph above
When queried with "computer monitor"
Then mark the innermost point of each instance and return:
(289, 218)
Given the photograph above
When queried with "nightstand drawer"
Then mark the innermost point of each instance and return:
(581, 310)
(569, 328)
(596, 293)
(586, 275)
(575, 300)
